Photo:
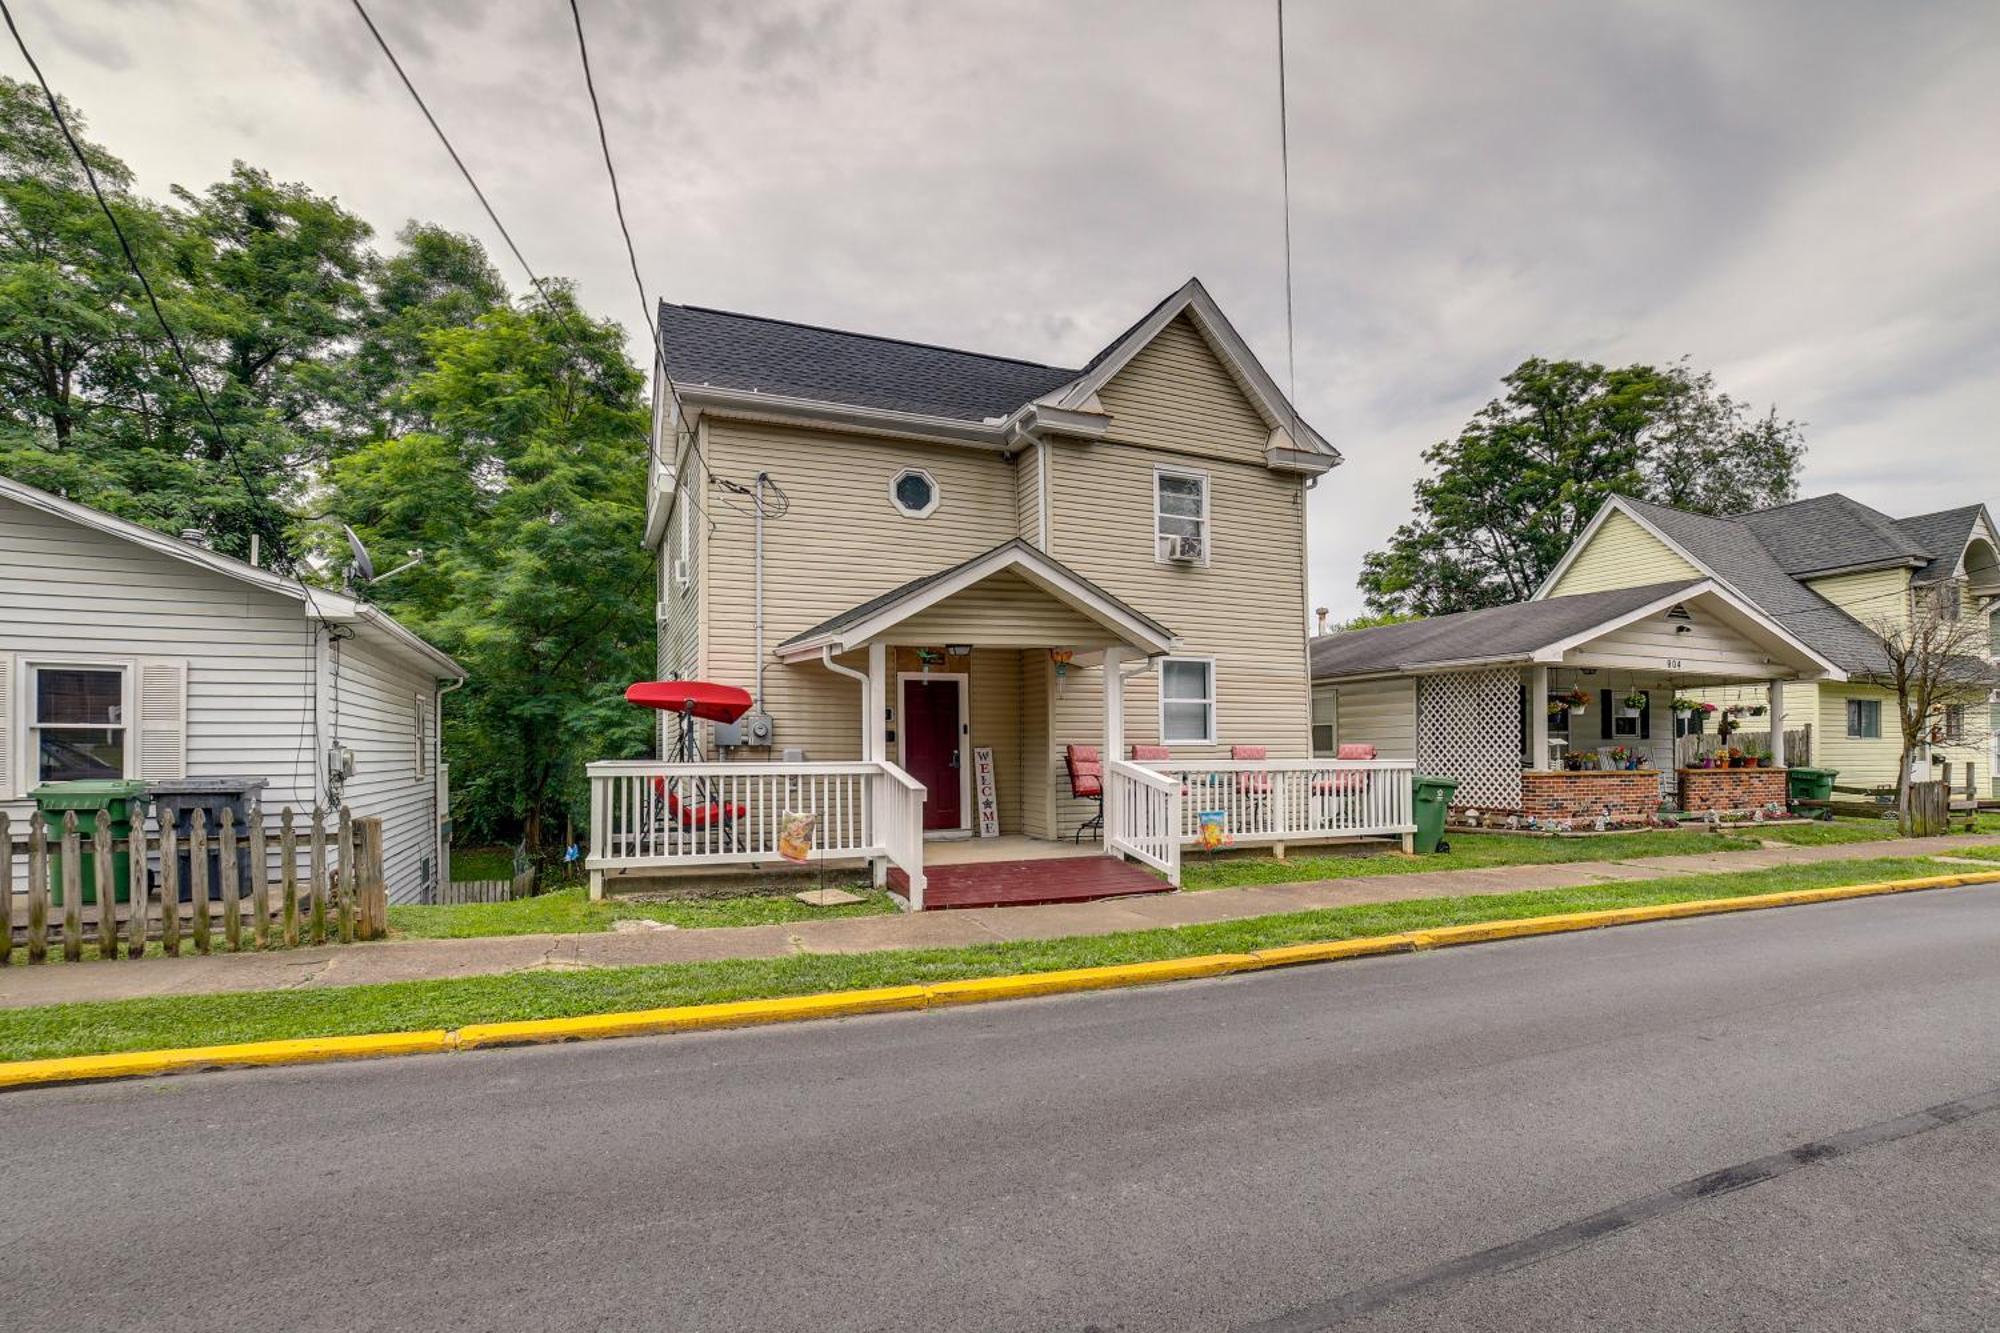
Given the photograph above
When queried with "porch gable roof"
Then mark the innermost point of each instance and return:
(870, 619)
(1536, 631)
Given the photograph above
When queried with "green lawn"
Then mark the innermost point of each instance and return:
(75, 1029)
(1481, 850)
(569, 911)
(482, 863)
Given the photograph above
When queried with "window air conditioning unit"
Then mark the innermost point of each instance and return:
(1185, 550)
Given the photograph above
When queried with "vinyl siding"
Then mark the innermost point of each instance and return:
(1862, 763)
(1175, 395)
(994, 692)
(253, 668)
(1708, 648)
(1028, 495)
(1244, 609)
(1005, 611)
(1381, 713)
(1871, 598)
(679, 628)
(1622, 554)
(1037, 694)
(839, 544)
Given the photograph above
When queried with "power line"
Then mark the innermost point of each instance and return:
(222, 439)
(1285, 167)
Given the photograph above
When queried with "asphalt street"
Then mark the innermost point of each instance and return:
(1778, 1120)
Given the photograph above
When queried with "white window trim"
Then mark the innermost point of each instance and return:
(896, 501)
(1214, 726)
(1207, 512)
(28, 756)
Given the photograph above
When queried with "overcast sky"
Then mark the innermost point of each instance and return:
(1803, 197)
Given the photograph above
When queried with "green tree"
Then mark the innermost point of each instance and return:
(526, 493)
(1519, 483)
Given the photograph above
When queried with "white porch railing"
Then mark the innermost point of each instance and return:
(658, 816)
(1296, 800)
(1142, 817)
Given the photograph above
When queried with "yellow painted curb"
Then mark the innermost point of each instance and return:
(690, 1017)
(184, 1059)
(887, 999)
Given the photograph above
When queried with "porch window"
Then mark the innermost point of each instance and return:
(1180, 516)
(1864, 719)
(77, 729)
(1187, 701)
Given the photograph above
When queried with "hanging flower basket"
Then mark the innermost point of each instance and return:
(1634, 704)
(1577, 701)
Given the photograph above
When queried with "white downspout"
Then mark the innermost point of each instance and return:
(757, 500)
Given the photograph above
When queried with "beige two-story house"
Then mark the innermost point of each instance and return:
(984, 533)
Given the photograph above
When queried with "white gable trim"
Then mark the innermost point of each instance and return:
(1032, 565)
(1554, 652)
(1194, 301)
(320, 604)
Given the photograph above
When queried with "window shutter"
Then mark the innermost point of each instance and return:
(1646, 719)
(1605, 729)
(7, 746)
(162, 722)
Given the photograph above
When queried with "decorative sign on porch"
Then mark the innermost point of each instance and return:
(795, 835)
(1214, 829)
(983, 783)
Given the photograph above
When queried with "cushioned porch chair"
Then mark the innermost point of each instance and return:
(1086, 783)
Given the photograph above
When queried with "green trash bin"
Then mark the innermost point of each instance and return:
(121, 800)
(1810, 784)
(1433, 801)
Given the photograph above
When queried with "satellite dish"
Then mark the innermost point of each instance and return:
(363, 568)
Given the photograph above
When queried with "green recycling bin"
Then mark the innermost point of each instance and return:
(1433, 800)
(1810, 784)
(118, 798)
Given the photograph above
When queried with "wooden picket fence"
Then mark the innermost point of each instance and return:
(328, 887)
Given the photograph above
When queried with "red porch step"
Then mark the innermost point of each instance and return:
(1065, 879)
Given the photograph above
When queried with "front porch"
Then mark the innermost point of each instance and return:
(968, 689)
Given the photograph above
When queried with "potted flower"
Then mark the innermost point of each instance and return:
(1758, 710)
(1634, 703)
(1620, 758)
(1557, 707)
(1687, 705)
(1577, 700)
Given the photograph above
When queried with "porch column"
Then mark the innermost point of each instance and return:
(875, 704)
(1538, 718)
(1777, 713)
(1114, 733)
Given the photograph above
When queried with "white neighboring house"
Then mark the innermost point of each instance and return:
(176, 661)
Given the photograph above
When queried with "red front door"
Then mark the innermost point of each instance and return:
(931, 748)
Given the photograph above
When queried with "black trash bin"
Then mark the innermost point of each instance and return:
(179, 798)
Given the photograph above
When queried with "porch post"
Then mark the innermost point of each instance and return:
(874, 705)
(1114, 734)
(1777, 714)
(1538, 718)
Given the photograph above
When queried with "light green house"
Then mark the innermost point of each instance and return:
(1834, 572)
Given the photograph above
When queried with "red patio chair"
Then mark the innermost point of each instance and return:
(1252, 784)
(1086, 783)
(1155, 754)
(1350, 783)
(702, 813)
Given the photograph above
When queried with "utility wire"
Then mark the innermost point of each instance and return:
(1285, 167)
(228, 447)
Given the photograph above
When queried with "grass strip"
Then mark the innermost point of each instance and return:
(570, 911)
(128, 1025)
(1479, 851)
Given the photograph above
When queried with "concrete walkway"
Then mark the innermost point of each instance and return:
(412, 960)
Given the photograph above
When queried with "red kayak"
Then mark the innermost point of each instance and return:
(691, 698)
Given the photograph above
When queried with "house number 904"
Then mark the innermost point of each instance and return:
(1675, 664)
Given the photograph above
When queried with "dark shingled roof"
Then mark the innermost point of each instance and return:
(1830, 532)
(732, 351)
(1496, 632)
(1731, 548)
(854, 615)
(1945, 535)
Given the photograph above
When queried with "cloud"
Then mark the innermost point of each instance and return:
(1799, 195)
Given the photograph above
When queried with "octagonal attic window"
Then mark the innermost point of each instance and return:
(914, 492)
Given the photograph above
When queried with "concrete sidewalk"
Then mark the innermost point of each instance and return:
(413, 960)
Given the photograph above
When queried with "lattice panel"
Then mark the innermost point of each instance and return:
(1469, 728)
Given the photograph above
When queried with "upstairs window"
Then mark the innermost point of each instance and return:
(1864, 719)
(1180, 516)
(914, 492)
(78, 727)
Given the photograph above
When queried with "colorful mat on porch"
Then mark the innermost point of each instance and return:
(1069, 879)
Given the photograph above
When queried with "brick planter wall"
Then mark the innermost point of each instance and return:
(1630, 795)
(1726, 789)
